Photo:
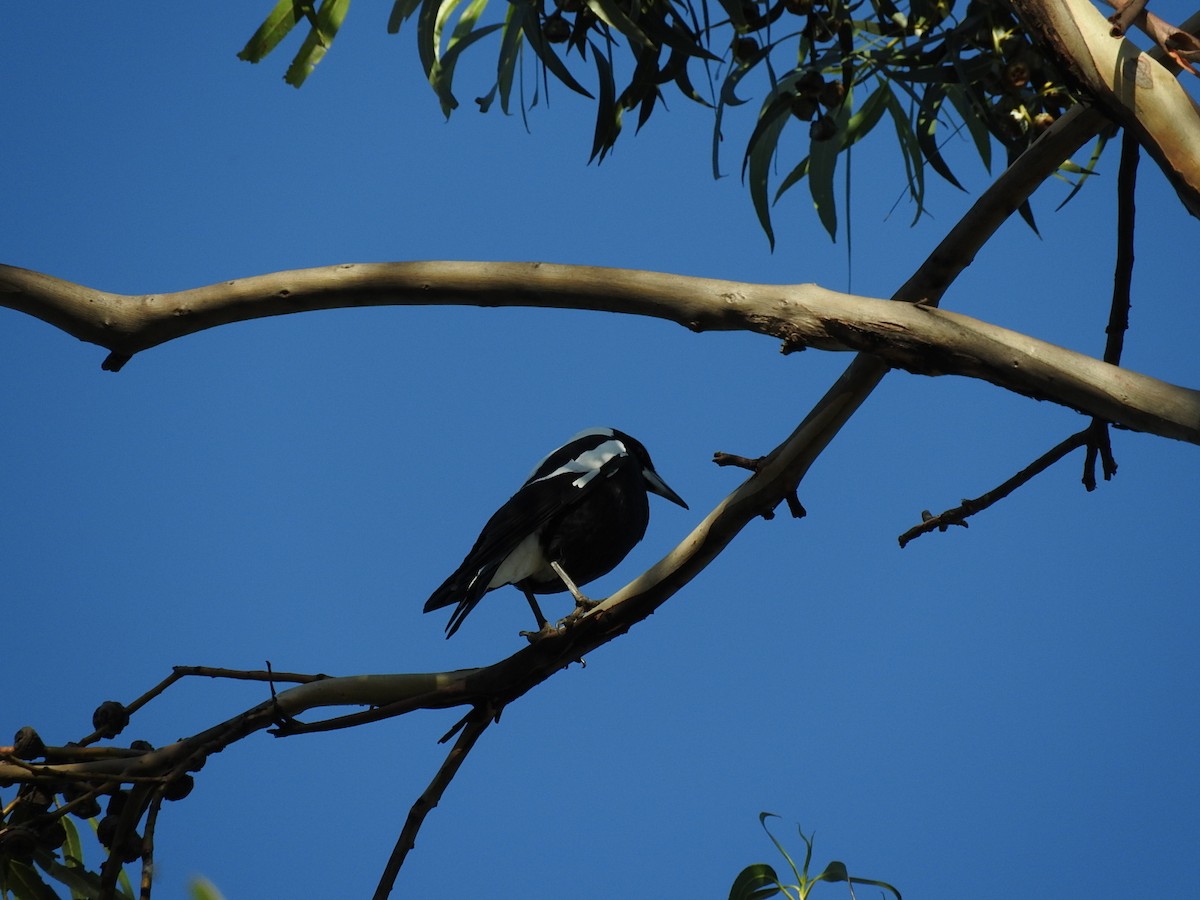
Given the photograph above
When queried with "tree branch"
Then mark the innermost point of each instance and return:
(1132, 89)
(913, 337)
(959, 514)
(477, 721)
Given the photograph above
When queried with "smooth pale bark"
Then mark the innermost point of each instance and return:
(1126, 83)
(917, 338)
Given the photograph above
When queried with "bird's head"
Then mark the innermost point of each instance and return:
(638, 451)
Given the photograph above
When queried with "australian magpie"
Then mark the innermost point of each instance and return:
(576, 517)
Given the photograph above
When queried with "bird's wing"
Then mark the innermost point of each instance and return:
(541, 497)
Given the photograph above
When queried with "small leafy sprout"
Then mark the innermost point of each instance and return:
(760, 881)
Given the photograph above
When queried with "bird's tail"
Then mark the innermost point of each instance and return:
(459, 588)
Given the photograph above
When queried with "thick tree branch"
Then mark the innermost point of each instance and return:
(909, 336)
(1132, 89)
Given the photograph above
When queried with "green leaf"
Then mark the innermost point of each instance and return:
(755, 882)
(427, 49)
(762, 820)
(510, 45)
(927, 113)
(203, 889)
(822, 165)
(1084, 171)
(281, 20)
(24, 881)
(72, 852)
(910, 150)
(320, 37)
(834, 872)
(608, 12)
(442, 75)
(726, 97)
(72, 848)
(973, 119)
(759, 152)
(608, 112)
(551, 60)
(878, 884)
(737, 15)
(797, 174)
(867, 116)
(82, 883)
(401, 10)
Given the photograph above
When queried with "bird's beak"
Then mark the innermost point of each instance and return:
(656, 484)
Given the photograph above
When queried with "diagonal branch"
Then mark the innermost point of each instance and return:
(477, 721)
(959, 514)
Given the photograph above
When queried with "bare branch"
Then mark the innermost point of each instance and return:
(959, 514)
(914, 337)
(475, 724)
(1118, 316)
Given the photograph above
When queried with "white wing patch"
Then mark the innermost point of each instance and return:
(526, 559)
(589, 463)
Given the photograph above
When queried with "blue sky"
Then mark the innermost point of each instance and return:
(1009, 707)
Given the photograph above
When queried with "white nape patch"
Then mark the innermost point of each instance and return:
(587, 432)
(525, 560)
(589, 463)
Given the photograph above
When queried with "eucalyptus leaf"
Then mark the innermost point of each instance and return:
(401, 11)
(611, 14)
(320, 37)
(755, 882)
(608, 111)
(281, 19)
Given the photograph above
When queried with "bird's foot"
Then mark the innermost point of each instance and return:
(583, 606)
(547, 630)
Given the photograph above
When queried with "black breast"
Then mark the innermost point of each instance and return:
(591, 537)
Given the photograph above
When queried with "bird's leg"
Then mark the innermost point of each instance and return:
(581, 602)
(545, 629)
(537, 610)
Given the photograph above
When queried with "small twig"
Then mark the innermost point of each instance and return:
(742, 462)
(1125, 15)
(136, 802)
(795, 507)
(180, 672)
(477, 722)
(289, 726)
(148, 845)
(1098, 445)
(1118, 316)
(959, 514)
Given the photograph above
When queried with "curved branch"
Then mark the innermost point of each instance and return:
(914, 337)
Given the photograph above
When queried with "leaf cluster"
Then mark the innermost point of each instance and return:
(760, 881)
(827, 72)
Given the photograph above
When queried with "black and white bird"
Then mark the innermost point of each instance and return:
(576, 517)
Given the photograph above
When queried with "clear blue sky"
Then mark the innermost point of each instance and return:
(1005, 709)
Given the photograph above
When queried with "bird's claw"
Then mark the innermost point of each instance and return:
(547, 630)
(583, 606)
